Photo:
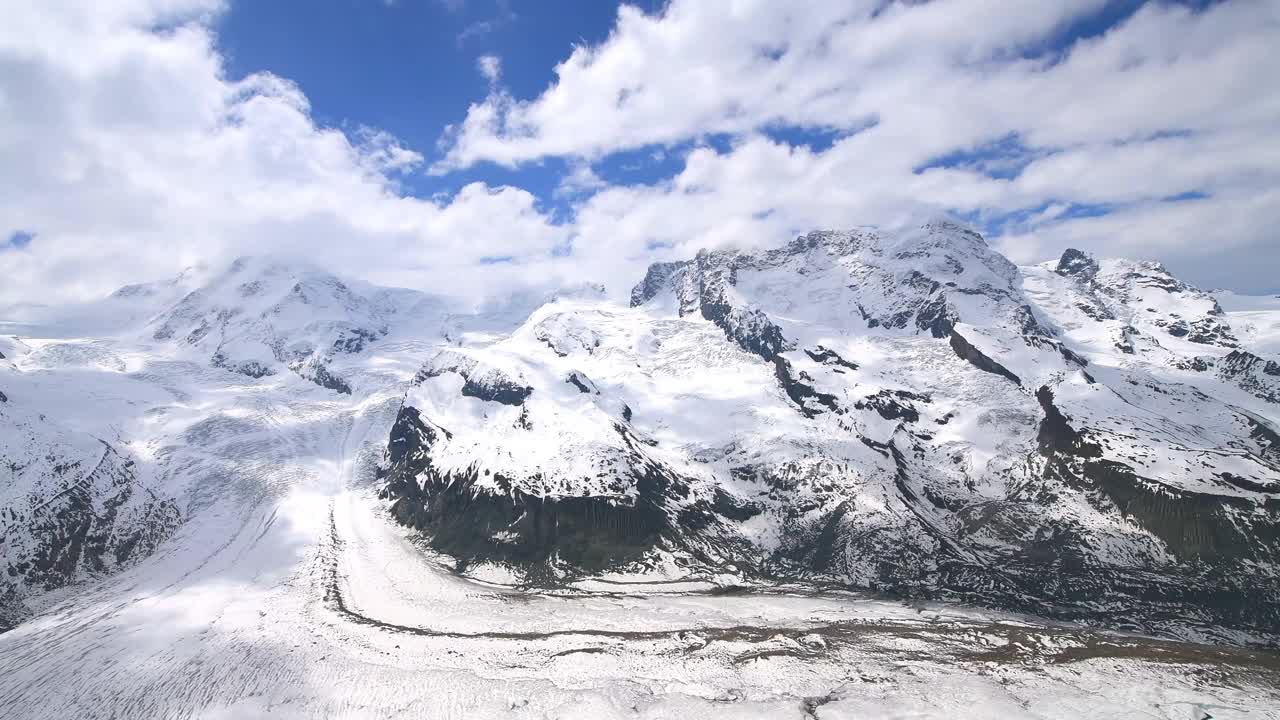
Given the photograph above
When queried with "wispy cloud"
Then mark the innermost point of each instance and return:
(490, 66)
(503, 15)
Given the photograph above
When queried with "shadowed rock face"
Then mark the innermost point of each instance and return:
(587, 534)
(967, 352)
(481, 519)
(93, 525)
(483, 383)
(1259, 377)
(1211, 536)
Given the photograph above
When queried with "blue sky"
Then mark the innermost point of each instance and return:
(491, 145)
(409, 67)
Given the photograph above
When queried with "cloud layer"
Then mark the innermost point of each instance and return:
(135, 154)
(1155, 138)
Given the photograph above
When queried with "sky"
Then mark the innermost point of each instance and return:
(478, 147)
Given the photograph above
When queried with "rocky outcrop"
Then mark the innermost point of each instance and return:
(1259, 377)
(1077, 264)
(482, 382)
(477, 517)
(972, 355)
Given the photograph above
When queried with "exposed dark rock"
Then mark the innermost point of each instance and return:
(1095, 309)
(1076, 264)
(354, 340)
(728, 506)
(1156, 276)
(937, 317)
(1247, 484)
(1239, 362)
(826, 356)
(933, 531)
(1210, 535)
(1056, 434)
(581, 383)
(797, 387)
(1125, 343)
(1071, 356)
(464, 517)
(655, 281)
(3, 397)
(1028, 323)
(887, 404)
(1199, 364)
(251, 368)
(1257, 376)
(497, 390)
(974, 357)
(325, 379)
(751, 329)
(83, 530)
(484, 383)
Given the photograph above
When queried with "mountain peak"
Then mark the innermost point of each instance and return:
(1076, 263)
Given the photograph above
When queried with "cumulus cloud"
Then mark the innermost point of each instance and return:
(981, 108)
(135, 156)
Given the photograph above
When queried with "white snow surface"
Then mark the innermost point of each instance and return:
(286, 591)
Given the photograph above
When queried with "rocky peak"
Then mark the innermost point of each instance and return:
(1257, 376)
(1077, 264)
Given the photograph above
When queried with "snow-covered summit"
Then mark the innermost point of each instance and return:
(905, 411)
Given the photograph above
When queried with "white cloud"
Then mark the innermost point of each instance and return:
(503, 15)
(135, 156)
(1171, 101)
(580, 180)
(490, 67)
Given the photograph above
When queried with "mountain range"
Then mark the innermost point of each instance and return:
(906, 413)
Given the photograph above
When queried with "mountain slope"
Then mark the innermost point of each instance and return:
(72, 508)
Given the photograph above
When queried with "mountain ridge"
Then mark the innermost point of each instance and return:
(1115, 513)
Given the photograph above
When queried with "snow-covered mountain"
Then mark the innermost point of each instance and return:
(263, 317)
(905, 412)
(270, 489)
